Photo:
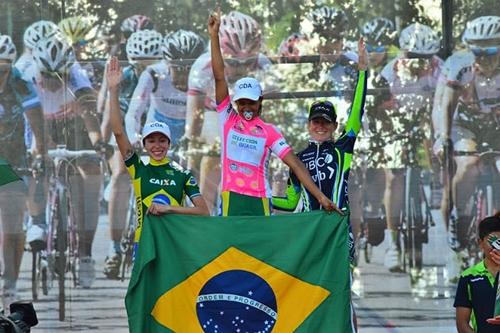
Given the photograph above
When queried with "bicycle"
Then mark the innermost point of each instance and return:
(482, 203)
(62, 240)
(415, 221)
(128, 237)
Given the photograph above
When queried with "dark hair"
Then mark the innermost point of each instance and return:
(488, 225)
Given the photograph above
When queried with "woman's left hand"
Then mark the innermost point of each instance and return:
(158, 209)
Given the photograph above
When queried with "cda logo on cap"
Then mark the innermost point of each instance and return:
(156, 127)
(247, 87)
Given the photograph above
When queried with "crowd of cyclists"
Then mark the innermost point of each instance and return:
(418, 107)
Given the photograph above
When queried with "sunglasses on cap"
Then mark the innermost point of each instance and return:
(485, 51)
(376, 49)
(234, 62)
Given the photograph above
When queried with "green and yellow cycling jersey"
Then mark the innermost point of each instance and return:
(162, 181)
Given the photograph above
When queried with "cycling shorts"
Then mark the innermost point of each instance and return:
(70, 132)
(177, 126)
(482, 128)
(236, 204)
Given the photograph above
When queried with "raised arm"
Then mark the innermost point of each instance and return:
(114, 76)
(221, 90)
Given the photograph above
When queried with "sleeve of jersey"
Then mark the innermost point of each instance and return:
(79, 79)
(191, 186)
(278, 144)
(25, 92)
(138, 104)
(225, 109)
(462, 298)
(133, 164)
(358, 106)
(291, 199)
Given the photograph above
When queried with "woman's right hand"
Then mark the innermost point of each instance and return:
(113, 73)
(214, 23)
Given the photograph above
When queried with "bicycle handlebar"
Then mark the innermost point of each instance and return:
(65, 153)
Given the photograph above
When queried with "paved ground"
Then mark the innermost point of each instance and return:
(385, 302)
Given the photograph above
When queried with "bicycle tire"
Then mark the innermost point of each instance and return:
(45, 280)
(35, 274)
(411, 226)
(60, 247)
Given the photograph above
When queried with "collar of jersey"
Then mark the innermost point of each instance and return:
(318, 143)
(164, 161)
(482, 270)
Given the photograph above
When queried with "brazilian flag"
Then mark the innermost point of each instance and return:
(7, 175)
(285, 273)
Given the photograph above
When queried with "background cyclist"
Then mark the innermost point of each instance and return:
(161, 89)
(17, 100)
(472, 103)
(69, 106)
(412, 79)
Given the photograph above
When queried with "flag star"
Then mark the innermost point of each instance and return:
(221, 313)
(248, 308)
(250, 293)
(266, 322)
(201, 305)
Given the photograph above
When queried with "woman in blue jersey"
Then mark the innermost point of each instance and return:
(329, 160)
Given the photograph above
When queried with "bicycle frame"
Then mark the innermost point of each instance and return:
(483, 202)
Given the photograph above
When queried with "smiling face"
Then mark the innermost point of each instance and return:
(156, 145)
(321, 129)
(249, 109)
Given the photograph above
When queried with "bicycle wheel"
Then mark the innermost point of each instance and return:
(416, 231)
(61, 243)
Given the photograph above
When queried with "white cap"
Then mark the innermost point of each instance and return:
(247, 87)
(155, 127)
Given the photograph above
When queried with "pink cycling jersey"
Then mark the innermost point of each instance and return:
(246, 148)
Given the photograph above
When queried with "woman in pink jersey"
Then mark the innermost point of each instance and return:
(247, 142)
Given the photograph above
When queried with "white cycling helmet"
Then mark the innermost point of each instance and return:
(481, 29)
(182, 44)
(240, 35)
(329, 22)
(54, 54)
(420, 39)
(144, 44)
(38, 31)
(7, 48)
(379, 31)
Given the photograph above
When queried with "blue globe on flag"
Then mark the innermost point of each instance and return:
(161, 199)
(237, 301)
